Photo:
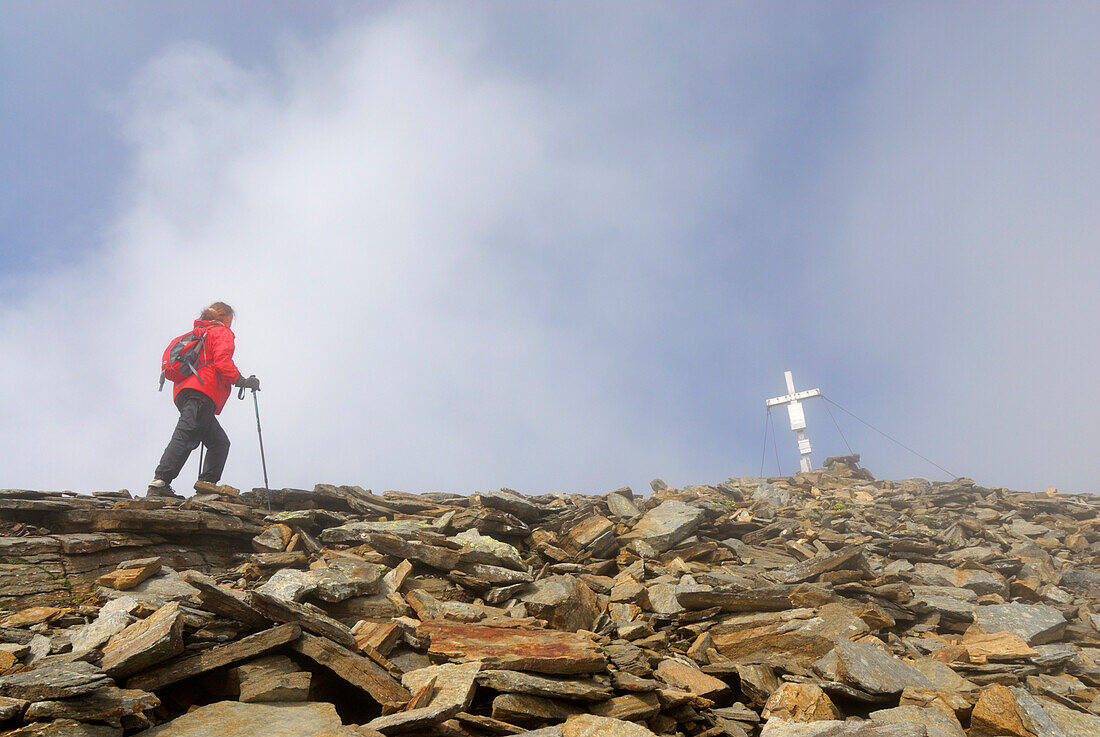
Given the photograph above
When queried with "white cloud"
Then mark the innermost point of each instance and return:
(381, 211)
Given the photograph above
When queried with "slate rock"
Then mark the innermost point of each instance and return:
(772, 495)
(130, 573)
(58, 680)
(1071, 722)
(998, 713)
(526, 709)
(144, 643)
(510, 681)
(315, 719)
(842, 729)
(11, 708)
(107, 704)
(690, 678)
(413, 720)
(274, 678)
(344, 578)
(800, 702)
(64, 728)
(564, 602)
(455, 683)
(114, 616)
(590, 725)
(288, 584)
(491, 550)
(513, 648)
(667, 524)
(935, 722)
(1036, 624)
(875, 671)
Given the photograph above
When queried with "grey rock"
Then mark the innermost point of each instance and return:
(60, 680)
(315, 719)
(831, 728)
(621, 504)
(113, 617)
(288, 584)
(107, 704)
(511, 502)
(667, 524)
(413, 720)
(359, 532)
(870, 669)
(935, 722)
(455, 683)
(494, 551)
(1035, 624)
(274, 678)
(564, 602)
(11, 708)
(1071, 722)
(507, 681)
(344, 578)
(772, 495)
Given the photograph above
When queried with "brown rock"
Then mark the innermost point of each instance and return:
(997, 714)
(130, 573)
(800, 702)
(513, 648)
(32, 615)
(690, 678)
(144, 643)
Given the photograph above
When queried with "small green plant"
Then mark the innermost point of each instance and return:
(839, 507)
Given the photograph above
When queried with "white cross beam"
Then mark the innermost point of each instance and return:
(798, 417)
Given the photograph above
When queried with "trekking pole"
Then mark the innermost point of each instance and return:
(260, 434)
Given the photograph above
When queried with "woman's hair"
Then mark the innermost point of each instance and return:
(218, 312)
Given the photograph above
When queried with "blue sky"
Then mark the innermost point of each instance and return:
(553, 246)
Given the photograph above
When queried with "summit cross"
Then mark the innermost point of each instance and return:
(797, 416)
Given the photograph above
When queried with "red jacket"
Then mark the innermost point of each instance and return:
(216, 367)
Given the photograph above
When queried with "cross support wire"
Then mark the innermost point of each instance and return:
(793, 400)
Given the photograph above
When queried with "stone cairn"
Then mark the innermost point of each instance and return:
(824, 604)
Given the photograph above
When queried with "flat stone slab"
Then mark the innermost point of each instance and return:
(935, 722)
(273, 678)
(216, 657)
(690, 678)
(226, 602)
(513, 648)
(54, 681)
(590, 725)
(413, 720)
(875, 671)
(513, 681)
(108, 704)
(145, 643)
(65, 728)
(1035, 624)
(847, 558)
(357, 670)
(315, 719)
(114, 616)
(832, 728)
(454, 683)
(667, 524)
(307, 617)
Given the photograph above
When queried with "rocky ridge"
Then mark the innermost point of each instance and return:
(828, 603)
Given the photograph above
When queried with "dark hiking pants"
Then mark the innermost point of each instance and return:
(197, 424)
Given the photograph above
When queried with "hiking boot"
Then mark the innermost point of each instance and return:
(160, 487)
(206, 487)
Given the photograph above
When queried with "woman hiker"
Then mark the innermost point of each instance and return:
(199, 397)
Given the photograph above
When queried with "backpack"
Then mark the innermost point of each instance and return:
(181, 358)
